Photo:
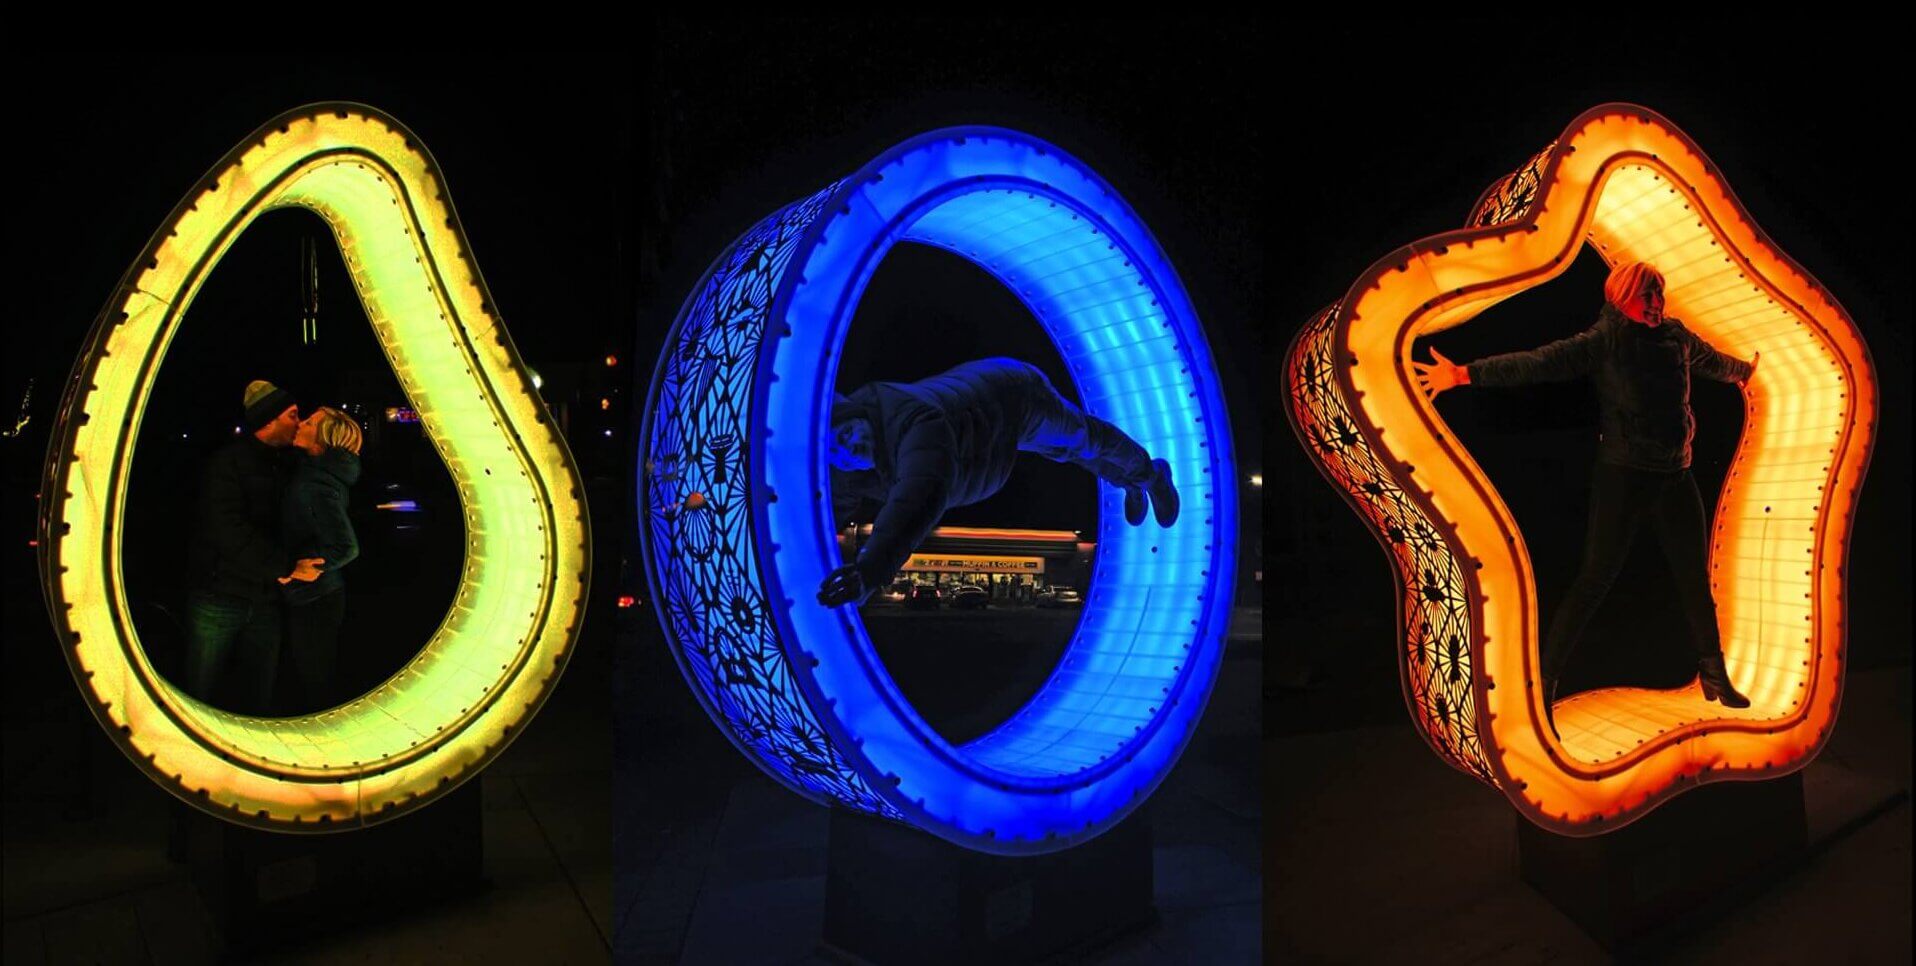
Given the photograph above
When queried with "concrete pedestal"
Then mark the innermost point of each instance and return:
(1702, 851)
(268, 890)
(894, 894)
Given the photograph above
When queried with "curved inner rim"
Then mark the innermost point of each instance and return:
(1101, 311)
(455, 675)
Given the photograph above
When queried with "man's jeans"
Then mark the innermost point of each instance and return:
(215, 622)
(1061, 432)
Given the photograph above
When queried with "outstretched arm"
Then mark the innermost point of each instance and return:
(1705, 361)
(1440, 374)
(1558, 361)
(927, 462)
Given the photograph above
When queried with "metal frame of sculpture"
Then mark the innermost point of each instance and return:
(736, 519)
(1627, 182)
(515, 616)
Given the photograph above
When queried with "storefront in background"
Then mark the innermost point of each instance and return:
(1012, 564)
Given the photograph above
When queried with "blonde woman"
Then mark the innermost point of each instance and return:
(315, 523)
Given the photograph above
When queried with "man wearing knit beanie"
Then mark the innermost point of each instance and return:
(236, 558)
(270, 408)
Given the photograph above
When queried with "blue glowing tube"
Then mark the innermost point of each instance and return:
(736, 509)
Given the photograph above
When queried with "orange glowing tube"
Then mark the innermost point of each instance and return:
(1626, 181)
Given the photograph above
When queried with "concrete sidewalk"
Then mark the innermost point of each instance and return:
(1379, 852)
(98, 888)
(719, 864)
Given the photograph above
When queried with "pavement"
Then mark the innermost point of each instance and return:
(1379, 852)
(88, 881)
(713, 861)
(719, 864)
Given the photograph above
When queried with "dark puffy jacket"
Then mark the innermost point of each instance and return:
(1643, 383)
(946, 441)
(234, 549)
(315, 520)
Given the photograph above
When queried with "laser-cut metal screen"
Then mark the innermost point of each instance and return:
(735, 500)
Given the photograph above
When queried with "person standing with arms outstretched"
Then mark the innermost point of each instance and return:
(1641, 361)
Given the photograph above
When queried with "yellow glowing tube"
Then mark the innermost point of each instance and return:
(506, 638)
(1625, 180)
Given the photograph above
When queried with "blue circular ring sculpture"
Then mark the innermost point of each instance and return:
(736, 510)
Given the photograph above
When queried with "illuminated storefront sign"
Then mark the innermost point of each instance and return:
(965, 564)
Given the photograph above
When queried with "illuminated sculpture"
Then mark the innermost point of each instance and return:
(1629, 183)
(739, 532)
(501, 647)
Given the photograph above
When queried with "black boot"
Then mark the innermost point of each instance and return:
(1715, 679)
(1164, 495)
(1134, 504)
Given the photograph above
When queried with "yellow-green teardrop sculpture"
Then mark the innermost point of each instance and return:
(500, 648)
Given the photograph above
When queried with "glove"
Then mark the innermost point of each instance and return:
(843, 586)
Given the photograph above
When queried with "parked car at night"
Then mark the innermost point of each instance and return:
(1059, 597)
(922, 597)
(969, 597)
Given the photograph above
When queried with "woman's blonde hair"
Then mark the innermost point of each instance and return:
(336, 430)
(1626, 282)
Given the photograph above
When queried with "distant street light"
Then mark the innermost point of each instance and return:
(1257, 479)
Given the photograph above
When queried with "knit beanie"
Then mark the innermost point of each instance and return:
(264, 403)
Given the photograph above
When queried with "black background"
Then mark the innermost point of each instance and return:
(1274, 164)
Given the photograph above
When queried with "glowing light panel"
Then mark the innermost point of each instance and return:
(1626, 181)
(506, 638)
(738, 525)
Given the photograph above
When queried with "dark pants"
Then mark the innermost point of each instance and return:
(1621, 499)
(215, 622)
(312, 652)
(1061, 432)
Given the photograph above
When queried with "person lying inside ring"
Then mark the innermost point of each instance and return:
(921, 448)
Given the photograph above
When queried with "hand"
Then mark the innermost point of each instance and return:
(842, 586)
(306, 570)
(1438, 376)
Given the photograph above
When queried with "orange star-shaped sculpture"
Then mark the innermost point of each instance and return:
(1625, 180)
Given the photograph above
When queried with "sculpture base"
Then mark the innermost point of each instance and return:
(894, 894)
(1704, 850)
(268, 890)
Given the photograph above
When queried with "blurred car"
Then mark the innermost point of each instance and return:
(1059, 597)
(969, 597)
(922, 597)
